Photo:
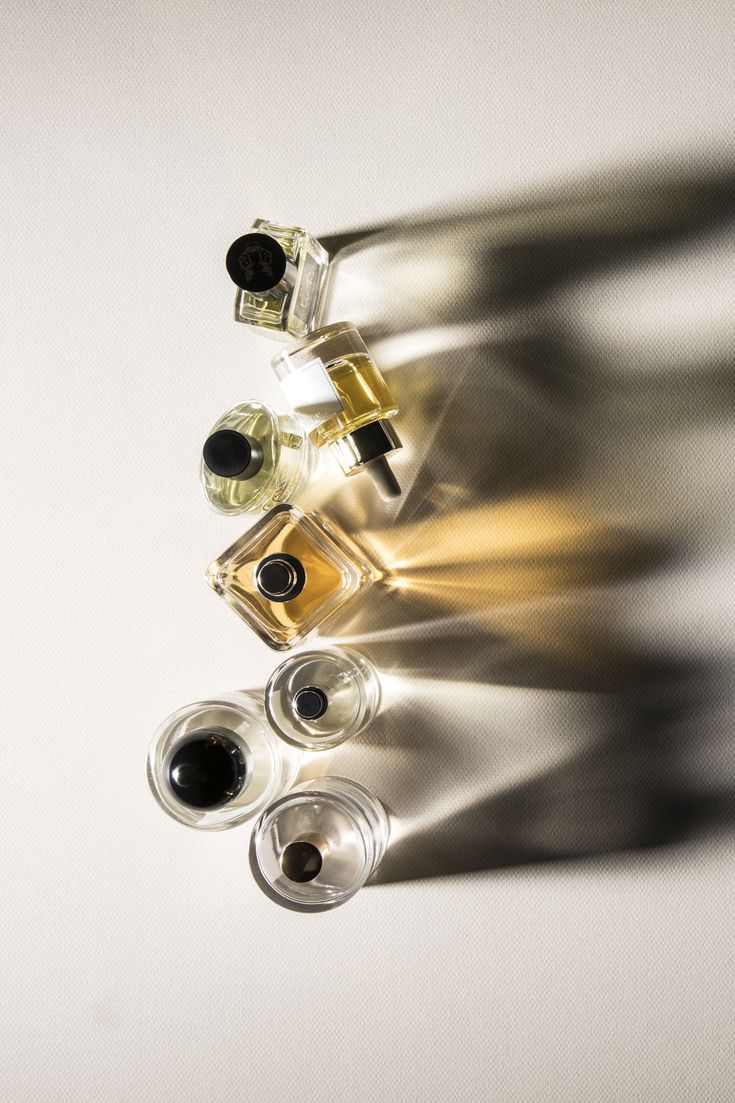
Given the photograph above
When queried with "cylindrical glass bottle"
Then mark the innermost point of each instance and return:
(331, 380)
(317, 846)
(319, 699)
(214, 764)
(254, 458)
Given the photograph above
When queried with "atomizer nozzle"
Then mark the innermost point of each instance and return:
(366, 449)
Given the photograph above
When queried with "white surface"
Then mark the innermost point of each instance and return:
(140, 962)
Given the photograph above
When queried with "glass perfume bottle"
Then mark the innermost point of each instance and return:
(254, 458)
(214, 764)
(288, 574)
(331, 380)
(280, 273)
(314, 848)
(319, 699)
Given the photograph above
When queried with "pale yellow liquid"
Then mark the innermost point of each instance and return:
(286, 461)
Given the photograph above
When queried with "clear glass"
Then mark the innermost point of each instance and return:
(268, 766)
(319, 699)
(317, 846)
(287, 461)
(332, 573)
(332, 381)
(293, 306)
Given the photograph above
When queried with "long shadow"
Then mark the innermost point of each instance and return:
(546, 699)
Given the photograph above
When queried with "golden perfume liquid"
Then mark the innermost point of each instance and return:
(288, 574)
(332, 382)
(280, 273)
(363, 395)
(254, 458)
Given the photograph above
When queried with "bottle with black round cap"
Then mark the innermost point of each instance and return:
(255, 458)
(217, 763)
(316, 847)
(280, 273)
(318, 699)
(289, 573)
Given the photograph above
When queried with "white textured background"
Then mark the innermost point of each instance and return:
(139, 961)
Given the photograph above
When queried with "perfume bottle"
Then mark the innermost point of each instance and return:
(254, 458)
(314, 848)
(288, 573)
(331, 380)
(217, 763)
(319, 699)
(280, 273)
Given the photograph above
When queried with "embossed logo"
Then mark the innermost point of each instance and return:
(254, 258)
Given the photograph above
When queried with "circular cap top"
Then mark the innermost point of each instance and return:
(310, 703)
(208, 770)
(301, 861)
(256, 262)
(227, 453)
(280, 577)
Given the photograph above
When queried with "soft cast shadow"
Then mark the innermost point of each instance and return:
(564, 370)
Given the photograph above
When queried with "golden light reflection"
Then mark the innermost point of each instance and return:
(500, 552)
(524, 570)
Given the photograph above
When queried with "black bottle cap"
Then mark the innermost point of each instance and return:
(310, 703)
(301, 861)
(256, 263)
(208, 770)
(280, 577)
(232, 455)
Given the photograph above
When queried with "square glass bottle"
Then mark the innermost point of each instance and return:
(280, 273)
(288, 574)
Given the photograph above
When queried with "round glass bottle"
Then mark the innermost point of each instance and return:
(215, 764)
(318, 699)
(254, 458)
(317, 846)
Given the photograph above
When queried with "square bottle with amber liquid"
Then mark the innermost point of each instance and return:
(288, 574)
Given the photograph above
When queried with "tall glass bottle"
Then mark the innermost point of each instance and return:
(319, 699)
(331, 380)
(288, 574)
(254, 459)
(316, 847)
(214, 764)
(281, 274)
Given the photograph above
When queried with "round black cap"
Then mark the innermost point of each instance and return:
(310, 703)
(208, 770)
(280, 577)
(256, 262)
(301, 861)
(227, 453)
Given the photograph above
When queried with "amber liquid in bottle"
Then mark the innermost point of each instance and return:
(332, 574)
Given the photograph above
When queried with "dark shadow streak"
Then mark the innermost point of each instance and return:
(516, 429)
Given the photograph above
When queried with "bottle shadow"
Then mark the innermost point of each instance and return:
(564, 471)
